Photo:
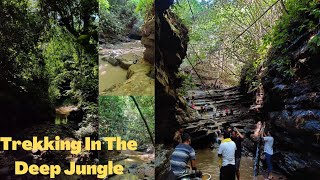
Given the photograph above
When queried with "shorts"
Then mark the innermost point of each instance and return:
(238, 163)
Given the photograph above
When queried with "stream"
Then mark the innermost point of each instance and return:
(110, 75)
(133, 160)
(114, 72)
(137, 165)
(218, 102)
(207, 162)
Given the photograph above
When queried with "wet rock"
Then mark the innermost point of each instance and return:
(139, 69)
(138, 83)
(298, 166)
(249, 145)
(147, 148)
(111, 60)
(126, 60)
(135, 32)
(133, 168)
(169, 54)
(142, 171)
(152, 74)
(162, 162)
(146, 170)
(148, 40)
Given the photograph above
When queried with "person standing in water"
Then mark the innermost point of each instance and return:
(237, 138)
(268, 150)
(226, 154)
(258, 140)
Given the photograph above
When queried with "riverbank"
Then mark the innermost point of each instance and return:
(123, 70)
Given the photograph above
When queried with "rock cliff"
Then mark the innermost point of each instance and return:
(291, 101)
(171, 47)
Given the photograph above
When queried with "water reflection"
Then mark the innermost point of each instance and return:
(207, 162)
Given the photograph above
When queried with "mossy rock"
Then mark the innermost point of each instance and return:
(126, 60)
(138, 83)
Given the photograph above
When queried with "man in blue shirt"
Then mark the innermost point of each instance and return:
(182, 154)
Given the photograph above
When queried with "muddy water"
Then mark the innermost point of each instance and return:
(207, 162)
(133, 159)
(110, 75)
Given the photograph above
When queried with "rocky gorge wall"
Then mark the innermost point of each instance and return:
(171, 47)
(292, 105)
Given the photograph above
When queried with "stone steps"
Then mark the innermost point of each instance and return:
(208, 123)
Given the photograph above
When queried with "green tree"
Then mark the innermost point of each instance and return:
(48, 53)
(120, 117)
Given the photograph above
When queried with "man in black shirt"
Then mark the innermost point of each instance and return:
(237, 138)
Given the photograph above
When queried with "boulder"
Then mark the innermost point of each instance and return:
(126, 60)
(138, 83)
(111, 60)
(162, 162)
(148, 40)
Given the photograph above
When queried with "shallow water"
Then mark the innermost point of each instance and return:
(133, 159)
(207, 162)
(110, 75)
(124, 177)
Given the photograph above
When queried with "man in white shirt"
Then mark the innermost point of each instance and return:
(226, 152)
(268, 150)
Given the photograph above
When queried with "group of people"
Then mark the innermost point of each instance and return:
(190, 101)
(263, 135)
(225, 112)
(204, 108)
(229, 153)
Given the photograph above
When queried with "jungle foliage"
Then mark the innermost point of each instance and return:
(48, 50)
(118, 116)
(218, 37)
(118, 17)
(232, 36)
(301, 18)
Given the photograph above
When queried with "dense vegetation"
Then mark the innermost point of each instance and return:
(301, 18)
(233, 36)
(218, 35)
(48, 52)
(119, 116)
(118, 17)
